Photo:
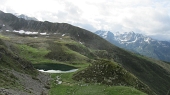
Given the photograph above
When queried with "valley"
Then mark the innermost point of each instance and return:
(35, 51)
(102, 68)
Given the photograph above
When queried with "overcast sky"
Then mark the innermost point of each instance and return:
(149, 17)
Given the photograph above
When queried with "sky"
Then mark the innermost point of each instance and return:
(149, 17)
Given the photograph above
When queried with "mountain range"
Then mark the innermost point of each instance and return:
(138, 43)
(104, 68)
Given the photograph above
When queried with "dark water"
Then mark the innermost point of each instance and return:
(51, 66)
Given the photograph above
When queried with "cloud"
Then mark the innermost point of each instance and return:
(150, 17)
(3, 1)
(149, 21)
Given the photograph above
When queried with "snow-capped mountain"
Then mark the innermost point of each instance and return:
(25, 17)
(138, 43)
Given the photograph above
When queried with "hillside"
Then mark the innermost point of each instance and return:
(18, 76)
(109, 73)
(38, 51)
(64, 43)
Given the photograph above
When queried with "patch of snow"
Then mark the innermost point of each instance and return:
(80, 42)
(35, 37)
(123, 40)
(58, 71)
(34, 32)
(59, 82)
(105, 35)
(147, 40)
(43, 33)
(63, 35)
(130, 42)
(135, 40)
(20, 31)
(7, 30)
(25, 32)
(28, 32)
(3, 25)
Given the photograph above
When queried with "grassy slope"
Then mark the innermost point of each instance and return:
(110, 73)
(53, 51)
(71, 87)
(32, 54)
(59, 51)
(38, 55)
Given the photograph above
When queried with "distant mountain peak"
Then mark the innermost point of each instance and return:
(25, 17)
(138, 43)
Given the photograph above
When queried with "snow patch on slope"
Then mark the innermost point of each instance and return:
(147, 40)
(105, 34)
(25, 32)
(43, 33)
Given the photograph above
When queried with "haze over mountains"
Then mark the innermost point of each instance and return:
(138, 43)
(98, 61)
(25, 17)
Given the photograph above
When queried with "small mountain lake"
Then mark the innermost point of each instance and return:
(55, 68)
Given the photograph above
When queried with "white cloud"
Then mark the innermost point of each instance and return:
(151, 17)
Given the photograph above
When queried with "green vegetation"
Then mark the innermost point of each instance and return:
(8, 80)
(49, 53)
(60, 52)
(4, 37)
(10, 61)
(69, 51)
(32, 54)
(110, 73)
(83, 49)
(71, 87)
